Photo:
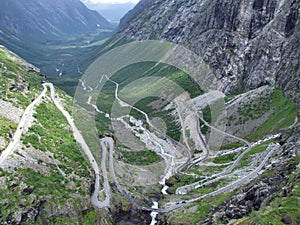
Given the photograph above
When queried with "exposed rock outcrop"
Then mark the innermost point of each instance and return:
(264, 189)
(247, 43)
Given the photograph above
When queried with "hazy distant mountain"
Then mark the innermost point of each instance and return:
(39, 19)
(41, 31)
(111, 11)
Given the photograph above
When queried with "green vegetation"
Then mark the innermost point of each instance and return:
(141, 70)
(91, 56)
(141, 158)
(202, 210)
(88, 217)
(228, 98)
(68, 84)
(180, 180)
(137, 71)
(53, 134)
(280, 110)
(206, 189)
(47, 185)
(8, 61)
(54, 53)
(102, 124)
(207, 114)
(106, 97)
(207, 117)
(230, 119)
(29, 84)
(61, 220)
(65, 100)
(185, 82)
(254, 110)
(6, 127)
(245, 161)
(60, 184)
(214, 169)
(281, 206)
(225, 158)
(207, 170)
(145, 104)
(232, 146)
(173, 129)
(283, 115)
(259, 148)
(58, 176)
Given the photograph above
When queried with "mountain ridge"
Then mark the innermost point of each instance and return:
(253, 50)
(53, 35)
(56, 18)
(247, 44)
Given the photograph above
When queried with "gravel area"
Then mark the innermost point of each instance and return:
(10, 112)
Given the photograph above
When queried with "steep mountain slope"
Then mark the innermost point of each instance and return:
(248, 44)
(48, 20)
(135, 11)
(161, 154)
(45, 178)
(53, 35)
(252, 47)
(257, 121)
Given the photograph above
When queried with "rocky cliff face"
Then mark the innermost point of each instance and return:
(247, 43)
(281, 183)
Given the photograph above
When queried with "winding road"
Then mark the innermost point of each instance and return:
(77, 135)
(28, 112)
(107, 144)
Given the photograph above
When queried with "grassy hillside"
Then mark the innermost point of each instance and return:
(137, 71)
(47, 177)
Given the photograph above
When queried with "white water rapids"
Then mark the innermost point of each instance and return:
(154, 214)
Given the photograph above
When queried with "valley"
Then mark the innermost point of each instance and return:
(184, 114)
(228, 169)
(64, 34)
